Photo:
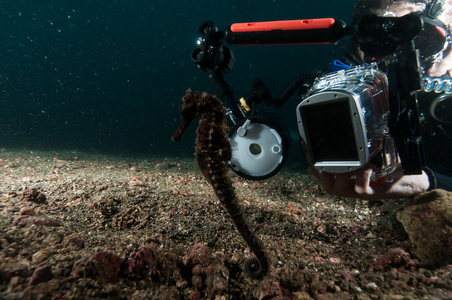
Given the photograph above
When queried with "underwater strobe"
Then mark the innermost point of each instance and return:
(259, 141)
(260, 146)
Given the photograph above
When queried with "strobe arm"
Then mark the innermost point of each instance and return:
(225, 93)
(216, 59)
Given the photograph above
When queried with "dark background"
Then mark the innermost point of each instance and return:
(108, 76)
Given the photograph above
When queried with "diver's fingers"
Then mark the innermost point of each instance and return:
(315, 172)
(326, 179)
(362, 181)
(334, 184)
(343, 185)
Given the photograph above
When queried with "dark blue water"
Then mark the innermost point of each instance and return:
(108, 76)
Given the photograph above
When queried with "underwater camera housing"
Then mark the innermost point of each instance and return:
(343, 122)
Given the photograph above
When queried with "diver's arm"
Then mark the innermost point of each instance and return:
(357, 184)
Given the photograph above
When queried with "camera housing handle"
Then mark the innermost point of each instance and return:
(404, 124)
(393, 38)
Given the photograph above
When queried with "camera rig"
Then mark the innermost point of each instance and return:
(260, 140)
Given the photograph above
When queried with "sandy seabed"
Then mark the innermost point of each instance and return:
(76, 225)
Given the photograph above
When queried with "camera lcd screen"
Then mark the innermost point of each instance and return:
(329, 131)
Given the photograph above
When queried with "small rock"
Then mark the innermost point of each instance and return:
(427, 221)
(33, 195)
(73, 242)
(27, 220)
(198, 255)
(394, 258)
(14, 283)
(45, 221)
(39, 256)
(335, 260)
(41, 274)
(181, 284)
(163, 166)
(139, 262)
(23, 220)
(104, 266)
(83, 268)
(271, 289)
(107, 266)
(3, 244)
(9, 269)
(136, 181)
(371, 286)
(27, 211)
(217, 280)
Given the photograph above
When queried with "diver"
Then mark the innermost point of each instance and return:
(434, 102)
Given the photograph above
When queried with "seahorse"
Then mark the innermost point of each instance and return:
(212, 154)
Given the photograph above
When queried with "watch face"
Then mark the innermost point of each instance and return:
(441, 109)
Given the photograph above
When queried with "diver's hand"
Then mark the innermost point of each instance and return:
(397, 185)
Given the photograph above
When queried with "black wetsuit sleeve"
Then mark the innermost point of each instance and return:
(438, 180)
(443, 182)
